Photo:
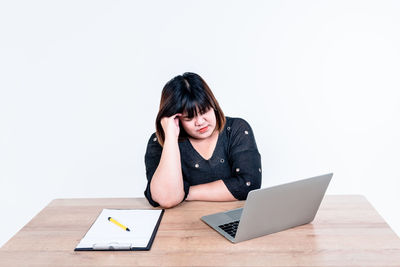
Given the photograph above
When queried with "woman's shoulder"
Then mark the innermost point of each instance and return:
(238, 129)
(153, 138)
(236, 123)
(239, 133)
(153, 142)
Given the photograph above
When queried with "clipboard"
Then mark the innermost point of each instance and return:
(104, 235)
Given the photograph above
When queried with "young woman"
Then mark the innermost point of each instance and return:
(196, 152)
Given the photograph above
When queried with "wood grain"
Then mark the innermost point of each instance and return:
(347, 231)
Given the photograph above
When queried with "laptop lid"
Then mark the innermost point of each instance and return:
(280, 207)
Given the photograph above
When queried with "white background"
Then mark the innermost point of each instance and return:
(81, 82)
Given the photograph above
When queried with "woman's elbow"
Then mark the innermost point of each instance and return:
(250, 185)
(253, 182)
(169, 203)
(166, 197)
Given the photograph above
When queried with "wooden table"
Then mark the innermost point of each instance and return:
(346, 232)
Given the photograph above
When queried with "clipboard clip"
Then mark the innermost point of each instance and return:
(112, 246)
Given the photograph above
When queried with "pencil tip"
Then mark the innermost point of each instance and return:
(127, 229)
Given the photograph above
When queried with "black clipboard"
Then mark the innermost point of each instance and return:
(115, 246)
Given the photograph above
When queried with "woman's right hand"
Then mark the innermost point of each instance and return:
(170, 126)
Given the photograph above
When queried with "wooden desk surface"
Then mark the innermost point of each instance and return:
(346, 232)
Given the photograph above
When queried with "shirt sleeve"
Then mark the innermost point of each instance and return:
(244, 159)
(152, 159)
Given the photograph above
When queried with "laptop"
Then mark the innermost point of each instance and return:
(273, 209)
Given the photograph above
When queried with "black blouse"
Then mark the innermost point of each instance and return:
(235, 160)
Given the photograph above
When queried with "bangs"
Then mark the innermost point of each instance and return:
(192, 108)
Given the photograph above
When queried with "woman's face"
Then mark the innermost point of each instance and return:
(201, 126)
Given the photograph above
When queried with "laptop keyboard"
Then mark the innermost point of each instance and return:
(230, 228)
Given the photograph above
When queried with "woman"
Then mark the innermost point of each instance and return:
(197, 153)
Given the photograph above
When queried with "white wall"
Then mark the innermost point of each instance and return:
(80, 83)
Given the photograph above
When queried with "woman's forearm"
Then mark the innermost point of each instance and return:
(167, 184)
(214, 191)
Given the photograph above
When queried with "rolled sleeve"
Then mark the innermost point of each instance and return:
(245, 161)
(186, 187)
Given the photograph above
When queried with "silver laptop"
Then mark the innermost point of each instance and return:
(273, 209)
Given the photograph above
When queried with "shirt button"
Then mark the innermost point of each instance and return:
(237, 170)
(259, 169)
(222, 161)
(155, 139)
(246, 132)
(248, 183)
(228, 128)
(197, 165)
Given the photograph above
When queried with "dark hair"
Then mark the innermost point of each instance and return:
(187, 93)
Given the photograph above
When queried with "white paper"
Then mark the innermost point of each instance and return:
(104, 233)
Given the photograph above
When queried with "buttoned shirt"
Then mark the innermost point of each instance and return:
(235, 160)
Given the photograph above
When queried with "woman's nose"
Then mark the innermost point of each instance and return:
(199, 120)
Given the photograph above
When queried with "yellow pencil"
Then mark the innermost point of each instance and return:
(117, 223)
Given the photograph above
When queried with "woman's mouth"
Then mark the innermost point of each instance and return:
(202, 130)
